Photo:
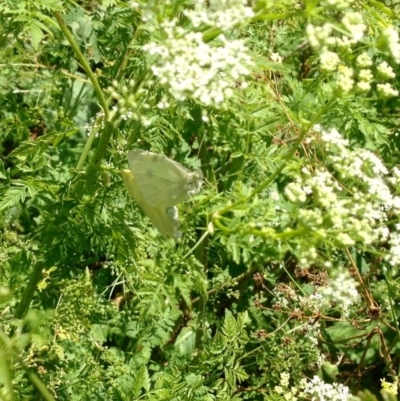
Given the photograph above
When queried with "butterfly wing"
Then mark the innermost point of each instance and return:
(162, 181)
(165, 220)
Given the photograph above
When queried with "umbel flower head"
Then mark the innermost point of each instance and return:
(193, 69)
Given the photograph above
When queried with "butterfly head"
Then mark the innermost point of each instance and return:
(194, 182)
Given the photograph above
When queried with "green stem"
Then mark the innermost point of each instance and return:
(283, 164)
(232, 282)
(84, 63)
(101, 147)
(32, 376)
(29, 291)
(202, 238)
(106, 134)
(88, 144)
(38, 384)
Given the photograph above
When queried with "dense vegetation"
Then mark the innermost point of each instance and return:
(284, 284)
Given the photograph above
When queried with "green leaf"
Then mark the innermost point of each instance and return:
(230, 329)
(34, 31)
(15, 195)
(2, 171)
(141, 381)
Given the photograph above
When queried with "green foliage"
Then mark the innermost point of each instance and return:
(284, 285)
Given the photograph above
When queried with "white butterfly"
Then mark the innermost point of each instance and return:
(163, 182)
(166, 220)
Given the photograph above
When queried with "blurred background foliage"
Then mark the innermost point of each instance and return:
(95, 303)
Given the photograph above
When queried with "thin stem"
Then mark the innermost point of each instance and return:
(101, 147)
(38, 384)
(106, 134)
(88, 144)
(283, 164)
(232, 282)
(32, 376)
(197, 244)
(84, 63)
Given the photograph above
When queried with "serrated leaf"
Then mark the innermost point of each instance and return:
(229, 328)
(142, 381)
(242, 320)
(2, 170)
(41, 144)
(234, 249)
(35, 33)
(14, 195)
(229, 377)
(240, 373)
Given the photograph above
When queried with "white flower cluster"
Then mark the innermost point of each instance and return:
(329, 60)
(386, 70)
(393, 256)
(353, 23)
(289, 393)
(319, 390)
(339, 3)
(222, 14)
(329, 44)
(364, 60)
(386, 90)
(312, 331)
(341, 291)
(322, 37)
(365, 77)
(283, 295)
(313, 302)
(350, 204)
(345, 81)
(193, 69)
(390, 38)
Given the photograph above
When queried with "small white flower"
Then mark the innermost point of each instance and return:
(284, 382)
(318, 36)
(365, 75)
(193, 69)
(329, 60)
(320, 390)
(344, 81)
(393, 256)
(223, 14)
(205, 117)
(345, 42)
(339, 4)
(364, 60)
(163, 104)
(385, 70)
(295, 192)
(363, 86)
(391, 41)
(354, 23)
(387, 90)
(276, 57)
